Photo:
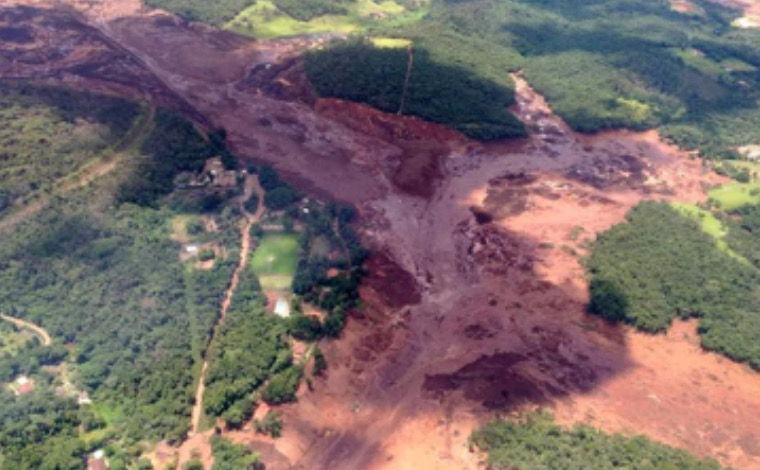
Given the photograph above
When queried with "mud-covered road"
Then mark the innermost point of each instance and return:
(475, 301)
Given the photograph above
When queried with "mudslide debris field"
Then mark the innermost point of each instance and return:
(475, 301)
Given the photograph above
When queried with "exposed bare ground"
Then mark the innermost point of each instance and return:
(469, 311)
(41, 333)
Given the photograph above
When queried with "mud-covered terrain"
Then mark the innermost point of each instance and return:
(475, 298)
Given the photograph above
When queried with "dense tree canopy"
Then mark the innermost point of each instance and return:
(539, 444)
(48, 133)
(436, 92)
(661, 264)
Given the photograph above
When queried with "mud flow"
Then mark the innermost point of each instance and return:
(474, 302)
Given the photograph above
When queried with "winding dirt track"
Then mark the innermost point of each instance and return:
(41, 333)
(475, 303)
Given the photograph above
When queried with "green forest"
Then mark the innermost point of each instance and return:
(97, 268)
(249, 348)
(40, 431)
(537, 443)
(617, 63)
(48, 133)
(661, 264)
(250, 358)
(453, 96)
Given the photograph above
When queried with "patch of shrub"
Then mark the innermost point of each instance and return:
(206, 254)
(537, 444)
(270, 425)
(231, 456)
(305, 327)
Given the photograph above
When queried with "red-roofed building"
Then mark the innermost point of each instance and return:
(97, 461)
(24, 385)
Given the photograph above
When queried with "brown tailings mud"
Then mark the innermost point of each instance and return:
(474, 304)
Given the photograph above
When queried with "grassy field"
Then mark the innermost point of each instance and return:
(265, 20)
(275, 260)
(734, 195)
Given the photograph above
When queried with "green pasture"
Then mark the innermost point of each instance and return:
(734, 195)
(275, 260)
(265, 20)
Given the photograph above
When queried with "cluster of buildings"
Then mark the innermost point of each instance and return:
(214, 175)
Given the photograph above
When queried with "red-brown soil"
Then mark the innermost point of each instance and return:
(474, 305)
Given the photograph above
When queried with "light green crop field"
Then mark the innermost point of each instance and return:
(732, 196)
(390, 42)
(265, 20)
(275, 260)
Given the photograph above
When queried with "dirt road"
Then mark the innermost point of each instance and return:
(197, 442)
(41, 333)
(475, 302)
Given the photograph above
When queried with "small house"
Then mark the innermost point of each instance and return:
(97, 461)
(84, 399)
(24, 385)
